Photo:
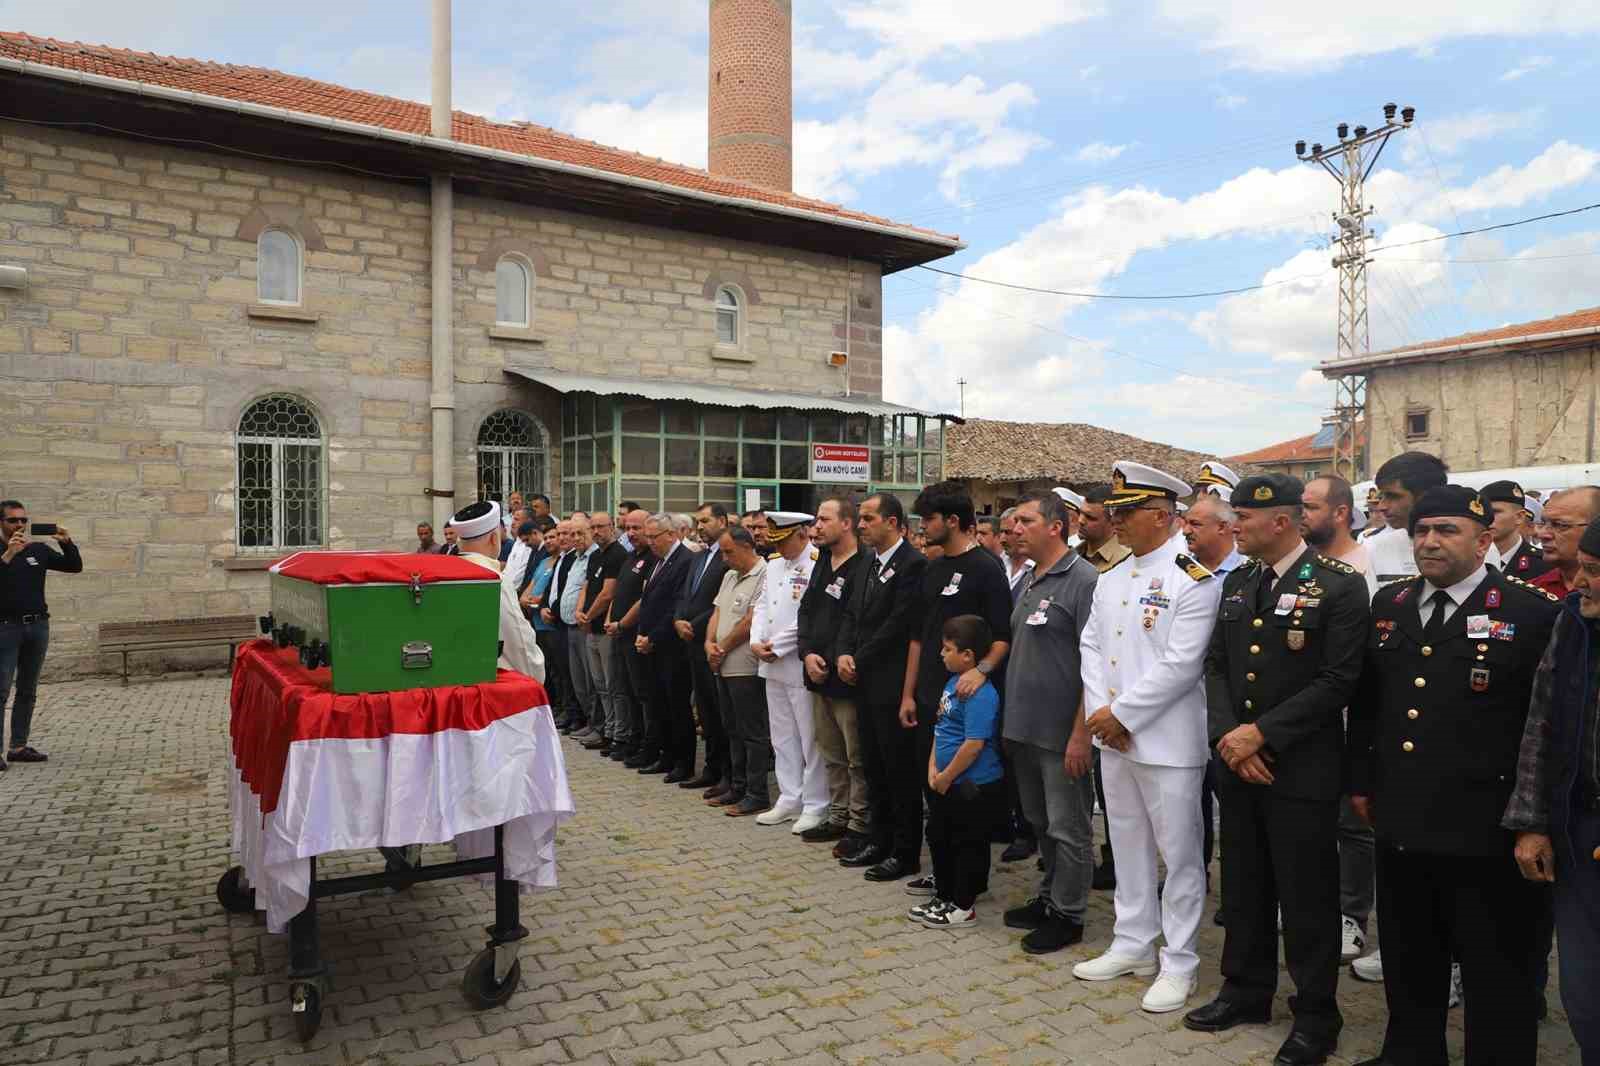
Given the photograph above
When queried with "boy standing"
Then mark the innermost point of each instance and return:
(965, 790)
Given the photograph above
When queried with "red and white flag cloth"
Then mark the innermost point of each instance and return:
(316, 772)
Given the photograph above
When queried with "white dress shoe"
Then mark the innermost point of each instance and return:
(1368, 967)
(1108, 967)
(808, 821)
(777, 816)
(1169, 993)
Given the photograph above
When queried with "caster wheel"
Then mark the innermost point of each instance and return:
(306, 1008)
(480, 989)
(232, 893)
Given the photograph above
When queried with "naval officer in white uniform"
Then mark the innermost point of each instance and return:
(775, 638)
(478, 531)
(1143, 654)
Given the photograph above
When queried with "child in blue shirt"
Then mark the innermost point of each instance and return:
(965, 783)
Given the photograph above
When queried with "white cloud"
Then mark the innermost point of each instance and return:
(1231, 101)
(1271, 35)
(920, 28)
(1085, 73)
(1449, 135)
(1526, 67)
(670, 126)
(1099, 152)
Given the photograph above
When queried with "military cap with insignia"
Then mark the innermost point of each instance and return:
(1070, 498)
(1503, 492)
(1533, 508)
(1267, 490)
(782, 524)
(1450, 501)
(1134, 483)
(1216, 479)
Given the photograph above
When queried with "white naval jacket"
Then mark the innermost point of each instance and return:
(777, 616)
(1144, 652)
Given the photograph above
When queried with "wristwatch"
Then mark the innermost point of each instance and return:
(984, 668)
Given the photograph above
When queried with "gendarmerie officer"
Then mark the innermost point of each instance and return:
(1519, 556)
(1435, 728)
(1284, 657)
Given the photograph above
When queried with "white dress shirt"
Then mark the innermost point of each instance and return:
(1451, 598)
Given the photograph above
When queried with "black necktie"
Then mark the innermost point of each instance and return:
(1434, 629)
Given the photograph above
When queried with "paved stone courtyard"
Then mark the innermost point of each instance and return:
(677, 935)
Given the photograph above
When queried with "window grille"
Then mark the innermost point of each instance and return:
(511, 456)
(281, 484)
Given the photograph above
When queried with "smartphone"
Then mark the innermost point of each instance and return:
(44, 529)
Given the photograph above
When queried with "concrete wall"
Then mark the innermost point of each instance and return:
(1529, 408)
(127, 360)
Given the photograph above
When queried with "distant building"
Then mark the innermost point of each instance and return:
(1512, 397)
(1302, 457)
(1003, 461)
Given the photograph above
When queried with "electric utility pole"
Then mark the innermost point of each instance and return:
(1350, 162)
(962, 384)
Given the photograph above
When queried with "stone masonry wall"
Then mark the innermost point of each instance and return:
(126, 362)
(1498, 411)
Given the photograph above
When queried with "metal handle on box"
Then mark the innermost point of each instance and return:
(416, 655)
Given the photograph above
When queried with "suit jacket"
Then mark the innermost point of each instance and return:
(1289, 669)
(695, 604)
(1435, 729)
(880, 622)
(659, 603)
(821, 612)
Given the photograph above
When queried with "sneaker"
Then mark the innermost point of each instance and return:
(951, 917)
(1170, 992)
(778, 815)
(1368, 968)
(1455, 985)
(1031, 915)
(922, 910)
(1109, 967)
(921, 886)
(1351, 940)
(1053, 934)
(808, 822)
(27, 754)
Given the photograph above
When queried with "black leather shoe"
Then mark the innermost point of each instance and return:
(1220, 1014)
(655, 766)
(703, 779)
(892, 869)
(1031, 915)
(618, 755)
(1019, 849)
(824, 833)
(869, 855)
(678, 776)
(852, 843)
(638, 759)
(1054, 934)
(1303, 1049)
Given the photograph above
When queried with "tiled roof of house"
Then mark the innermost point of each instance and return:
(1068, 452)
(272, 88)
(1588, 318)
(1288, 451)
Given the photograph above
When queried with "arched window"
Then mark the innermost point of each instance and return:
(728, 315)
(511, 456)
(512, 293)
(281, 484)
(278, 267)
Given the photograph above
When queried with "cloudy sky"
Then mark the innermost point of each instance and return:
(1090, 145)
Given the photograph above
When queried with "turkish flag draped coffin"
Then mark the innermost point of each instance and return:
(316, 772)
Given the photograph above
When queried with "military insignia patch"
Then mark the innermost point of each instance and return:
(1263, 493)
(1149, 621)
(1296, 639)
(1522, 563)
(1305, 572)
(1118, 481)
(1475, 506)
(1492, 598)
(1193, 569)
(1480, 679)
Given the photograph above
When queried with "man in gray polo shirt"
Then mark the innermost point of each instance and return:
(1046, 737)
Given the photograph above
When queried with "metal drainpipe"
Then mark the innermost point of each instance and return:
(442, 400)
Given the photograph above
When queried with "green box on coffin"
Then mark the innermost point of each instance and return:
(423, 629)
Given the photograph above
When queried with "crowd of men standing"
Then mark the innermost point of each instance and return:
(1392, 707)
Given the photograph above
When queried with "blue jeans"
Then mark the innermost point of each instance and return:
(22, 651)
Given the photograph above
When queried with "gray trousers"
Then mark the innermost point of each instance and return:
(1357, 870)
(838, 738)
(626, 717)
(1061, 811)
(582, 678)
(602, 682)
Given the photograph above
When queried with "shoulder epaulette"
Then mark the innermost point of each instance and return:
(1393, 581)
(774, 557)
(815, 554)
(1535, 589)
(1192, 568)
(1335, 565)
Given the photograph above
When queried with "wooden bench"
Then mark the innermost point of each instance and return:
(170, 634)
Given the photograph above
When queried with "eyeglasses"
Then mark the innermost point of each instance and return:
(1563, 527)
(15, 520)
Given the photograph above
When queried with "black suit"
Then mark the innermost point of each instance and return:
(876, 631)
(701, 579)
(669, 660)
(1285, 656)
(1435, 731)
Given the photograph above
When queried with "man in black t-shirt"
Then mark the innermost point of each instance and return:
(637, 678)
(965, 579)
(24, 618)
(600, 580)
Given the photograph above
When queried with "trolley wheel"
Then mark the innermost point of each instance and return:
(305, 1000)
(480, 989)
(232, 893)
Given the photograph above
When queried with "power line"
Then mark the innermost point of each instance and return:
(1486, 229)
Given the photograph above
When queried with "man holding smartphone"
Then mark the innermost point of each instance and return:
(24, 618)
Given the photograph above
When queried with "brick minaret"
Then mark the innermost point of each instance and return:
(752, 92)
